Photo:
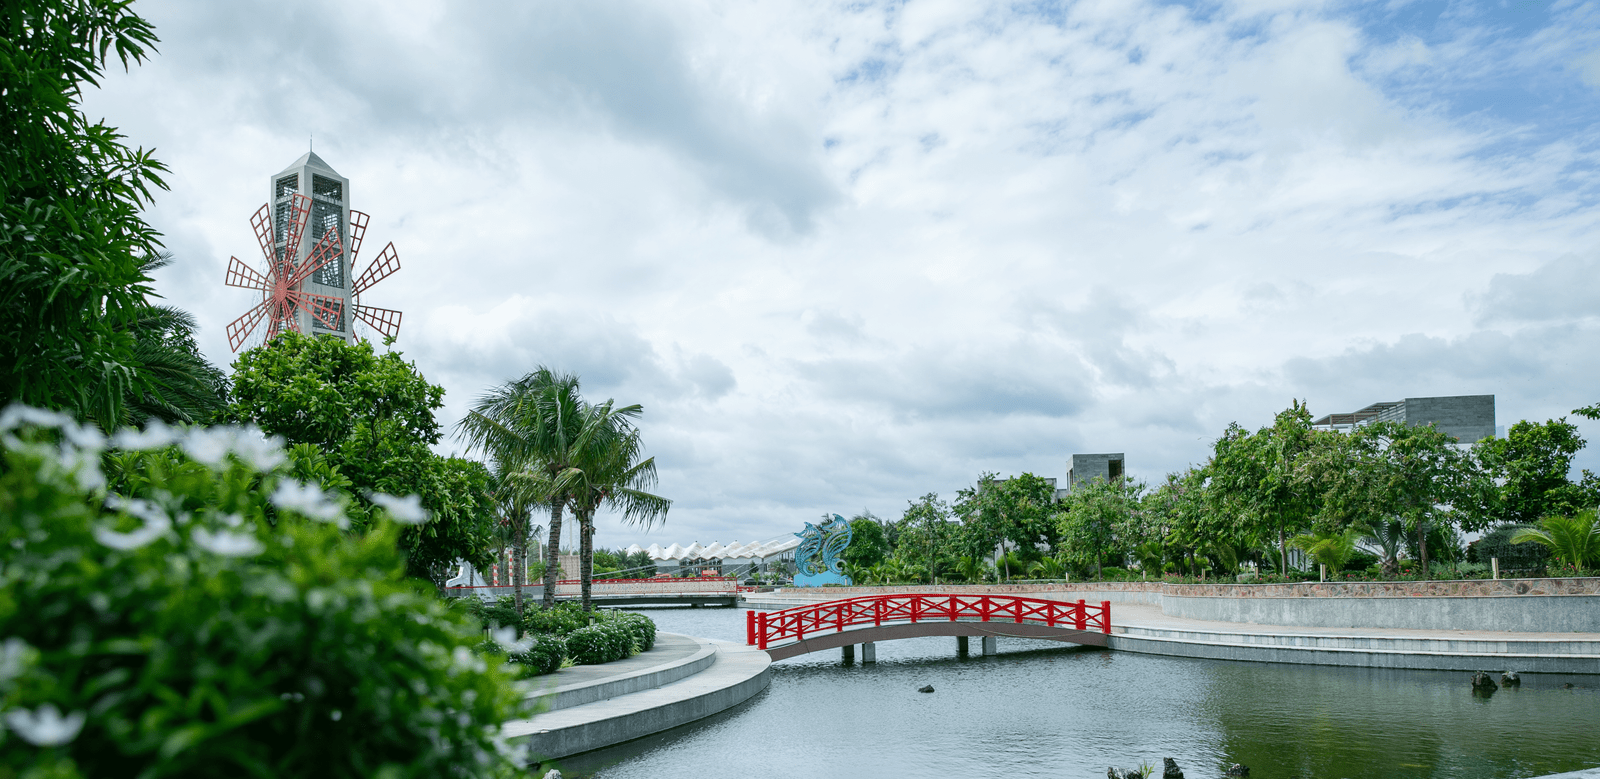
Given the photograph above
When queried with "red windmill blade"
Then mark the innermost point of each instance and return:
(282, 297)
(384, 320)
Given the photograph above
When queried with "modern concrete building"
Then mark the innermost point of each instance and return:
(1468, 418)
(330, 207)
(1085, 468)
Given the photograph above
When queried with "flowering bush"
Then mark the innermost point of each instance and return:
(189, 610)
(561, 619)
(543, 653)
(601, 642)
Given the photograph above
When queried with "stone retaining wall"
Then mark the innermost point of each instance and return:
(1523, 605)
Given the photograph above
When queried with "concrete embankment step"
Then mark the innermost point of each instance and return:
(1531, 655)
(600, 710)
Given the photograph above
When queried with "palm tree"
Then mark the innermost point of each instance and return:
(177, 383)
(533, 428)
(1330, 549)
(1389, 536)
(609, 474)
(1575, 540)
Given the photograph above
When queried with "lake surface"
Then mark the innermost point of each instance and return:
(1037, 710)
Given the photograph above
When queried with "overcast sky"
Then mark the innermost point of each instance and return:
(846, 254)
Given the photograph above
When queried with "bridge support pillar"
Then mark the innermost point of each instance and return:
(869, 652)
(991, 645)
(848, 653)
(961, 646)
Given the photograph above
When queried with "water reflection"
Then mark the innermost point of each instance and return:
(1042, 711)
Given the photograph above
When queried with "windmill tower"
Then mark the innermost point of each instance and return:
(311, 283)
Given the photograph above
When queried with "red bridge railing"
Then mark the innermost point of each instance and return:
(763, 629)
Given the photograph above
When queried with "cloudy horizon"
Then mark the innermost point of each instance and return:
(847, 254)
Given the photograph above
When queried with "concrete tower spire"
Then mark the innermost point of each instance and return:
(330, 210)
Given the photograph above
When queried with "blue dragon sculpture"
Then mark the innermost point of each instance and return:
(817, 560)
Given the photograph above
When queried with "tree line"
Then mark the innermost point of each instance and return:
(1396, 498)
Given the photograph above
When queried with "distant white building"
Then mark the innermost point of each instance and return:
(1467, 418)
(717, 555)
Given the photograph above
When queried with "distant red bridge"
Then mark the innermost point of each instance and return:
(869, 619)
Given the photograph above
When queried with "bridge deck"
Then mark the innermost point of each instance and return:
(875, 633)
(874, 618)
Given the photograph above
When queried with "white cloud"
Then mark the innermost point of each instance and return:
(848, 254)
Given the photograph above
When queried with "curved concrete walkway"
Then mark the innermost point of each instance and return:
(681, 680)
(1144, 628)
(1141, 627)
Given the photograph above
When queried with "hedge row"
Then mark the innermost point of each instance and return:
(564, 632)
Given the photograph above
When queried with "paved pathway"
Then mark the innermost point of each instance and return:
(681, 680)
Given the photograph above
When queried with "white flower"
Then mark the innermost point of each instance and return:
(154, 436)
(310, 500)
(507, 639)
(13, 658)
(17, 415)
(45, 727)
(210, 445)
(84, 465)
(407, 510)
(138, 507)
(84, 437)
(259, 450)
(226, 543)
(156, 525)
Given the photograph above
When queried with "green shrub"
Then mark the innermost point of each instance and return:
(641, 628)
(1513, 557)
(561, 619)
(192, 625)
(599, 643)
(542, 653)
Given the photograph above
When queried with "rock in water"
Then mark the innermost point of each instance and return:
(925, 688)
(1511, 679)
(1482, 684)
(1238, 770)
(1169, 769)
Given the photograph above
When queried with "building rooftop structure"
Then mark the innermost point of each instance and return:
(718, 551)
(1467, 418)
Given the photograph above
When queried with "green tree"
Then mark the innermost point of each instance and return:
(75, 252)
(1575, 540)
(1178, 518)
(1530, 465)
(1330, 549)
(1258, 482)
(610, 473)
(869, 545)
(372, 417)
(1414, 473)
(926, 534)
(179, 383)
(530, 429)
(1094, 522)
(1015, 512)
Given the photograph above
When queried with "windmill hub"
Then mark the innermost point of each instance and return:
(306, 286)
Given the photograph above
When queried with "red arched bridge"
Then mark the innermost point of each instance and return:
(872, 618)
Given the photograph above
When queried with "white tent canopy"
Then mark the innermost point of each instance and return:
(718, 551)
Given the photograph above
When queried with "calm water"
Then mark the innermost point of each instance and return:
(1038, 711)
